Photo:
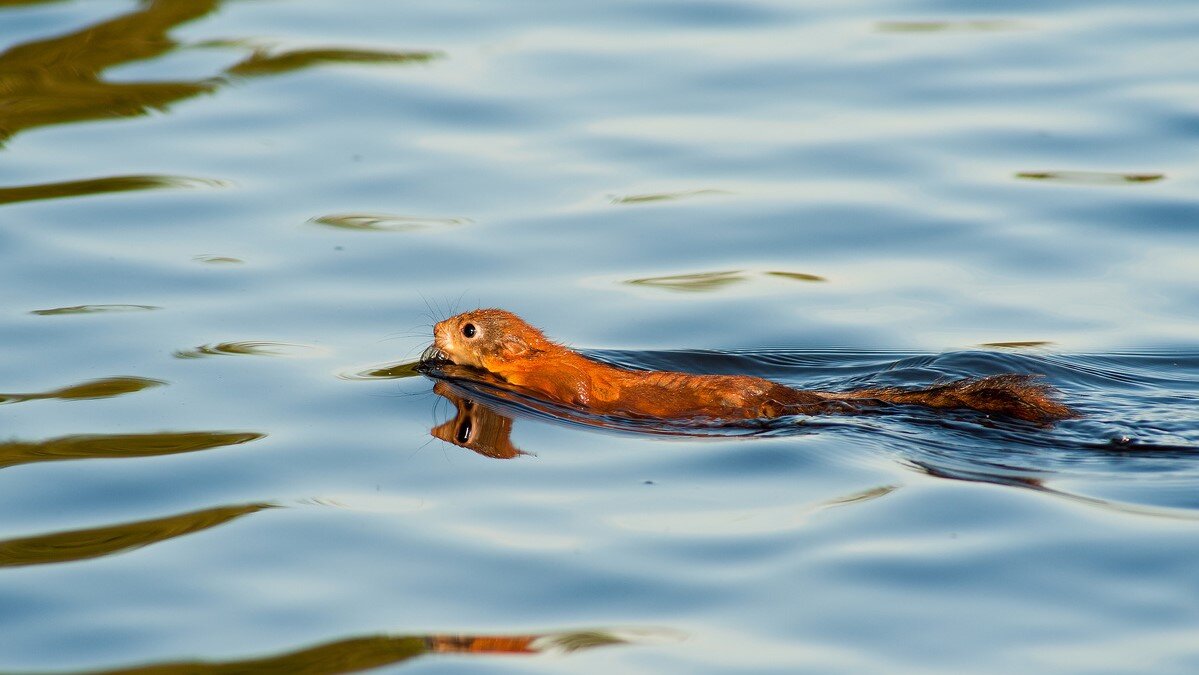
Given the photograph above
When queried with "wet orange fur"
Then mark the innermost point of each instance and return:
(507, 347)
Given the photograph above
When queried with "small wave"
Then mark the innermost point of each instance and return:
(1090, 177)
(382, 222)
(249, 348)
(389, 371)
(94, 309)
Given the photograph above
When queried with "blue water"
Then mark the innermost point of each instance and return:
(226, 227)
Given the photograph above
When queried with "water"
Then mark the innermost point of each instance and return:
(225, 228)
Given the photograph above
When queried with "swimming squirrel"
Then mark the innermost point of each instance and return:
(504, 345)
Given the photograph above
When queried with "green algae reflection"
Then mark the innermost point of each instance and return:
(103, 388)
(75, 545)
(117, 446)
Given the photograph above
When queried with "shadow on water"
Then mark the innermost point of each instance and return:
(103, 388)
(376, 651)
(60, 80)
(117, 446)
(1137, 428)
(63, 547)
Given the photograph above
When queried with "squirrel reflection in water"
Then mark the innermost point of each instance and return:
(475, 426)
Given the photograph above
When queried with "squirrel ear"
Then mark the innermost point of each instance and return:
(514, 348)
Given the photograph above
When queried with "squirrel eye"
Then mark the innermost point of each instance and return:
(469, 330)
(464, 433)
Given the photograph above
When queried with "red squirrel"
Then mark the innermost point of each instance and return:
(504, 345)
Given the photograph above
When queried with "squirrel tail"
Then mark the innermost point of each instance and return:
(1019, 396)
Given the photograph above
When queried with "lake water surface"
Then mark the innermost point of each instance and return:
(226, 227)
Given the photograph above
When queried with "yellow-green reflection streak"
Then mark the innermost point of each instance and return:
(104, 388)
(94, 309)
(706, 282)
(1017, 344)
(262, 62)
(364, 653)
(1090, 177)
(977, 25)
(116, 446)
(217, 259)
(62, 547)
(381, 222)
(247, 348)
(97, 186)
(699, 282)
(653, 197)
(60, 80)
(798, 276)
(391, 371)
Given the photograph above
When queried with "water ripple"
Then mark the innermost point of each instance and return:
(381, 222)
(249, 348)
(390, 371)
(1098, 178)
(94, 309)
(217, 259)
(706, 282)
(654, 197)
